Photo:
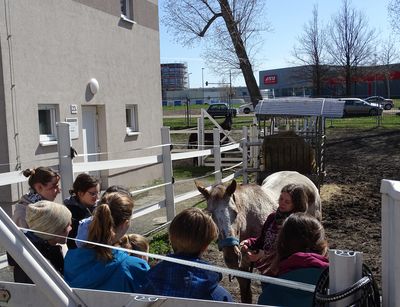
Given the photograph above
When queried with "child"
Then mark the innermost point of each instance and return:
(49, 217)
(84, 195)
(102, 268)
(135, 242)
(261, 250)
(301, 256)
(190, 233)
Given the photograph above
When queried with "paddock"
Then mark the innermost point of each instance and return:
(391, 195)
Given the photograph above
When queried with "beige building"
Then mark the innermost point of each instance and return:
(94, 63)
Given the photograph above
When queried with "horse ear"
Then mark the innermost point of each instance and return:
(231, 188)
(202, 189)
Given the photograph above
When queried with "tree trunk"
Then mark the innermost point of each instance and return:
(348, 81)
(244, 62)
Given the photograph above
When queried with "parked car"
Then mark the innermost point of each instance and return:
(246, 108)
(357, 106)
(221, 110)
(387, 104)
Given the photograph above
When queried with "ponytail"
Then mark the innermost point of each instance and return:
(114, 210)
(101, 230)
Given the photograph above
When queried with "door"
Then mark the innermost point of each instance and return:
(90, 135)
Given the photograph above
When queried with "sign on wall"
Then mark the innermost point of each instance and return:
(270, 79)
(73, 127)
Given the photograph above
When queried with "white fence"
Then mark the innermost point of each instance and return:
(390, 197)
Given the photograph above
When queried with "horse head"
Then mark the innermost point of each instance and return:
(225, 213)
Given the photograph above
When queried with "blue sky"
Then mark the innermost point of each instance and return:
(287, 18)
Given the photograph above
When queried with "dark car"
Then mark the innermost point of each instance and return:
(221, 110)
(357, 106)
(387, 104)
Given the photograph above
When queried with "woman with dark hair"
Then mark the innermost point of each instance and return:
(300, 256)
(103, 268)
(43, 185)
(261, 250)
(84, 195)
(83, 227)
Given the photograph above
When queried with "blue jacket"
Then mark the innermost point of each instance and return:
(171, 279)
(124, 273)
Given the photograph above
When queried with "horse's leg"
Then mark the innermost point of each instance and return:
(245, 290)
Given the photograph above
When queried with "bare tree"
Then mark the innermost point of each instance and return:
(228, 25)
(351, 41)
(394, 14)
(311, 51)
(387, 55)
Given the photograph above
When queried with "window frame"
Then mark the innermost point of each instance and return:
(49, 139)
(127, 14)
(132, 127)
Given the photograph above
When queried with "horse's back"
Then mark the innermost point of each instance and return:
(273, 184)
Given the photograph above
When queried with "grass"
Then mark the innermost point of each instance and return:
(184, 172)
(180, 123)
(389, 121)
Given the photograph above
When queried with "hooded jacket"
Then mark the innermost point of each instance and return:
(124, 273)
(79, 212)
(172, 279)
(302, 267)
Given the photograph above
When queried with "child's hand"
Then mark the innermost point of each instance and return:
(244, 247)
(256, 255)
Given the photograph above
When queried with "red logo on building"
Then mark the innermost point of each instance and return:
(271, 79)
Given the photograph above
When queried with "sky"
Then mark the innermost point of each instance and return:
(287, 19)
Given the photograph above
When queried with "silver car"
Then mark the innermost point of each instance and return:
(357, 106)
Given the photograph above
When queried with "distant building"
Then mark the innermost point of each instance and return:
(174, 77)
(383, 80)
(93, 63)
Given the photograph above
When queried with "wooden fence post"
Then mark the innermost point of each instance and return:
(244, 153)
(168, 174)
(65, 159)
(217, 156)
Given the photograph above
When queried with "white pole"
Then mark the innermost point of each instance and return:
(244, 153)
(390, 243)
(50, 283)
(200, 127)
(168, 173)
(64, 157)
(345, 268)
(217, 156)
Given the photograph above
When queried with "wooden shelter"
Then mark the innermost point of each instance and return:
(293, 133)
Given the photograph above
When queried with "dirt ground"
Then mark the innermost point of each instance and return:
(356, 162)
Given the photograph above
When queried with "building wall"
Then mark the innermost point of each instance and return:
(57, 47)
(296, 81)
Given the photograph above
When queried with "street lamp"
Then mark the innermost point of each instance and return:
(226, 83)
(202, 81)
(375, 69)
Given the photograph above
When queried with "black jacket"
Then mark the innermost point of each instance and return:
(79, 212)
(53, 253)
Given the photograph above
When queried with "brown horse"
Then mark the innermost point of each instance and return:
(240, 212)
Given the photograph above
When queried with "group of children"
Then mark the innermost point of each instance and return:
(292, 244)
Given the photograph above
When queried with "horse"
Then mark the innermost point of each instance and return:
(241, 210)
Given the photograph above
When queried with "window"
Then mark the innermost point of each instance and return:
(132, 127)
(47, 123)
(127, 10)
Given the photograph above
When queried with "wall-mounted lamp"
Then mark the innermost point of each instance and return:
(93, 85)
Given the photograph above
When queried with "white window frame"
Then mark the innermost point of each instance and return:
(127, 14)
(49, 139)
(132, 122)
